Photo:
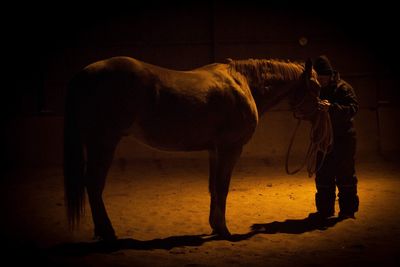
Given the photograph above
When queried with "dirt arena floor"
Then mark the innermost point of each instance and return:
(159, 209)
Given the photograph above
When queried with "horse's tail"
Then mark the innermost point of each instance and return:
(74, 159)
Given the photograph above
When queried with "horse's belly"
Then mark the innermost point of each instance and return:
(173, 138)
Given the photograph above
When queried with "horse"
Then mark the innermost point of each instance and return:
(215, 107)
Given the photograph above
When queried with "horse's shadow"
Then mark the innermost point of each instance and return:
(288, 226)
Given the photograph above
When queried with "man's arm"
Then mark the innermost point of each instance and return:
(346, 105)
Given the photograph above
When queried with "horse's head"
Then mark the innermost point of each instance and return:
(304, 100)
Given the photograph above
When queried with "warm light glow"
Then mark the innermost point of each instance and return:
(160, 208)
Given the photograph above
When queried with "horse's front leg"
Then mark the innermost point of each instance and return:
(211, 186)
(225, 159)
(100, 154)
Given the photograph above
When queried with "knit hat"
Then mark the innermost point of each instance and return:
(322, 66)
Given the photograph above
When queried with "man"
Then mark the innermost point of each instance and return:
(337, 169)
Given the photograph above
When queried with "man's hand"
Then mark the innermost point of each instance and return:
(324, 105)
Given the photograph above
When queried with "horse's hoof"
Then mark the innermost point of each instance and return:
(109, 237)
(105, 239)
(222, 233)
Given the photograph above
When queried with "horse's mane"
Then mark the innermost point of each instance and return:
(260, 71)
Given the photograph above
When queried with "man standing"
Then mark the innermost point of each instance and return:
(337, 169)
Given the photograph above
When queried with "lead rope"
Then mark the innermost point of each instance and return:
(321, 140)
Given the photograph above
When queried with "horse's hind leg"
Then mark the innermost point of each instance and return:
(226, 158)
(100, 153)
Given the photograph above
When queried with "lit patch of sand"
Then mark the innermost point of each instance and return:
(160, 213)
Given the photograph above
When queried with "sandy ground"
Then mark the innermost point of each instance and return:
(160, 212)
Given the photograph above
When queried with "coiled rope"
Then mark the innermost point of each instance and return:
(321, 139)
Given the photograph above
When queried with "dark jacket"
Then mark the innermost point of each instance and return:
(344, 106)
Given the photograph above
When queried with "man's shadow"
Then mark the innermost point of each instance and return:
(307, 224)
(298, 226)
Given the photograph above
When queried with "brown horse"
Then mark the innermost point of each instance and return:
(215, 107)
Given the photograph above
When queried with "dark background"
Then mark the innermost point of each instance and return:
(44, 45)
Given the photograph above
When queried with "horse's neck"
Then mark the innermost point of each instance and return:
(270, 80)
(271, 95)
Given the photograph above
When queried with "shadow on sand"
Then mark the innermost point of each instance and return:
(289, 226)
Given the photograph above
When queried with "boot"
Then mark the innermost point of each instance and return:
(325, 202)
(348, 201)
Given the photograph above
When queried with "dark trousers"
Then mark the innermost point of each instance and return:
(337, 170)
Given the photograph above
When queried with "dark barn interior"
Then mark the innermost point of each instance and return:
(159, 201)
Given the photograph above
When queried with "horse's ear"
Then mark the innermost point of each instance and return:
(308, 68)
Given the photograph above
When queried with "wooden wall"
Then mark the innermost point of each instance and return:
(46, 49)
